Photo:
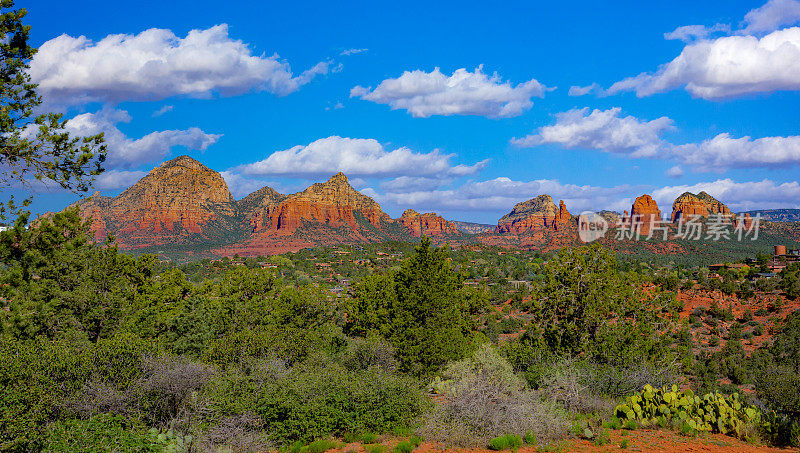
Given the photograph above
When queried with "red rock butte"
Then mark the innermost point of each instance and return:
(702, 204)
(645, 211)
(428, 224)
(536, 214)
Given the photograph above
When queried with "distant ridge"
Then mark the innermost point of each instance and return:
(473, 228)
(184, 204)
(183, 208)
(777, 215)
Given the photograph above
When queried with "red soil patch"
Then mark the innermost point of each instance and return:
(696, 298)
(638, 440)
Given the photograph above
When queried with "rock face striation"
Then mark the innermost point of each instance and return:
(537, 214)
(180, 201)
(428, 224)
(702, 204)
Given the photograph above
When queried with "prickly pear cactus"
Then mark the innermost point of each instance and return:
(712, 412)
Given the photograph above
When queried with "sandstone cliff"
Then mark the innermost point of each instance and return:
(428, 224)
(645, 211)
(702, 204)
(334, 203)
(536, 214)
(259, 205)
(178, 202)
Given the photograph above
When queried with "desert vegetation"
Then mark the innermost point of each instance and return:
(102, 349)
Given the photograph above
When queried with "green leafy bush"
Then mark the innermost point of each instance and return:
(712, 412)
(374, 448)
(321, 446)
(507, 442)
(318, 398)
(103, 432)
(369, 438)
(529, 438)
(403, 447)
(170, 441)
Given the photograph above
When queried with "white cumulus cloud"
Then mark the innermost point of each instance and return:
(723, 152)
(156, 64)
(608, 131)
(424, 94)
(603, 130)
(739, 196)
(582, 91)
(726, 67)
(675, 172)
(689, 33)
(125, 152)
(356, 157)
(118, 179)
(501, 194)
(772, 16)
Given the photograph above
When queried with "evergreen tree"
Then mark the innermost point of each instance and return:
(35, 146)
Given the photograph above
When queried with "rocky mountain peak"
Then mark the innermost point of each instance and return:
(337, 191)
(543, 204)
(702, 204)
(263, 197)
(539, 213)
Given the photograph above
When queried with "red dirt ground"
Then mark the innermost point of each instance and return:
(638, 440)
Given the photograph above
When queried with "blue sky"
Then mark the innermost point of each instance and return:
(356, 88)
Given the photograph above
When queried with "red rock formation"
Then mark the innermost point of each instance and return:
(258, 207)
(428, 224)
(334, 203)
(645, 210)
(702, 204)
(174, 203)
(537, 214)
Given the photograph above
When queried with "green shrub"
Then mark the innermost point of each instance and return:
(507, 442)
(498, 443)
(779, 386)
(369, 438)
(318, 399)
(623, 444)
(529, 438)
(614, 423)
(415, 440)
(169, 441)
(374, 448)
(601, 438)
(321, 446)
(713, 412)
(403, 447)
(103, 432)
(296, 446)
